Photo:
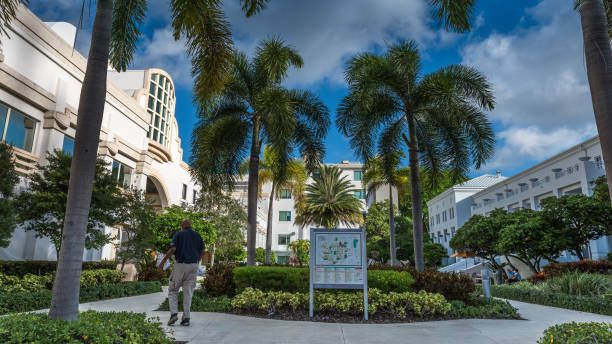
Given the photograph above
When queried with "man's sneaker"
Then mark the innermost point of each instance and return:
(173, 319)
(185, 322)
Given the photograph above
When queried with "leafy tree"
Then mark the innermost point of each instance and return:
(42, 207)
(115, 34)
(169, 223)
(256, 110)
(136, 217)
(528, 237)
(229, 218)
(438, 117)
(578, 219)
(376, 223)
(330, 200)
(300, 250)
(260, 256)
(434, 253)
(9, 178)
(601, 192)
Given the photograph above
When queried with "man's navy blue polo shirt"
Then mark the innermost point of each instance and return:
(188, 245)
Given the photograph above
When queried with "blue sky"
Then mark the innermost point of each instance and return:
(530, 50)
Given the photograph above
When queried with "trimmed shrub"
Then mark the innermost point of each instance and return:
(30, 301)
(534, 295)
(91, 327)
(453, 286)
(591, 266)
(44, 267)
(90, 278)
(483, 308)
(578, 333)
(29, 282)
(269, 278)
(202, 302)
(396, 305)
(219, 280)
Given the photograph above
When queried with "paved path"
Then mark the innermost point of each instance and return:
(227, 328)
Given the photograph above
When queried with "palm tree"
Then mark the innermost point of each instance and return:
(253, 110)
(596, 18)
(438, 117)
(115, 34)
(294, 180)
(374, 177)
(330, 200)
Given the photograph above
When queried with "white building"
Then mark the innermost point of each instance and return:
(40, 82)
(569, 172)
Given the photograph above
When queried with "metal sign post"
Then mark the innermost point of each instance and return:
(338, 260)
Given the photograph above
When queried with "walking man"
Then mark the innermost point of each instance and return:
(187, 247)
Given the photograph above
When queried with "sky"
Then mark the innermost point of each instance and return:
(530, 50)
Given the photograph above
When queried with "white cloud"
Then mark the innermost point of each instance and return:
(162, 51)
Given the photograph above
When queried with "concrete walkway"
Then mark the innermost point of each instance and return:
(227, 328)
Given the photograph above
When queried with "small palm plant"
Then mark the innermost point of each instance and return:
(330, 201)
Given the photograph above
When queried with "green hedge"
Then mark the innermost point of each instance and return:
(44, 267)
(483, 308)
(29, 282)
(578, 333)
(30, 301)
(91, 327)
(591, 266)
(202, 302)
(268, 278)
(578, 303)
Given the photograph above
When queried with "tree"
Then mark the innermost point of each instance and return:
(136, 218)
(9, 178)
(253, 110)
(438, 117)
(596, 19)
(434, 253)
(169, 223)
(260, 256)
(115, 33)
(376, 223)
(578, 219)
(330, 200)
(528, 237)
(600, 189)
(42, 207)
(229, 218)
(375, 176)
(292, 179)
(300, 250)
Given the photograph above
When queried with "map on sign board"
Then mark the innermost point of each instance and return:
(338, 258)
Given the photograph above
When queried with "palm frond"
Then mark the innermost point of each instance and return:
(128, 15)
(8, 11)
(311, 127)
(453, 15)
(252, 7)
(273, 58)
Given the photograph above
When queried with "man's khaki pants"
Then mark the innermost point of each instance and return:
(183, 275)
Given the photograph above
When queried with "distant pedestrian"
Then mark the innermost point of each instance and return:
(513, 276)
(374, 258)
(188, 248)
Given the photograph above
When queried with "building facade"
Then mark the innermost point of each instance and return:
(569, 172)
(40, 84)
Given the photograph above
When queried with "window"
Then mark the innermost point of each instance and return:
(68, 145)
(285, 194)
(195, 195)
(284, 216)
(16, 128)
(184, 194)
(598, 161)
(122, 174)
(357, 175)
(444, 216)
(159, 106)
(452, 213)
(282, 259)
(438, 219)
(452, 232)
(360, 194)
(284, 239)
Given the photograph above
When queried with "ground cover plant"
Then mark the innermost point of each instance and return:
(91, 327)
(43, 267)
(577, 333)
(30, 282)
(30, 301)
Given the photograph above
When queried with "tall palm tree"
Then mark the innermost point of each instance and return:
(330, 200)
(115, 34)
(293, 179)
(255, 109)
(596, 19)
(438, 117)
(374, 177)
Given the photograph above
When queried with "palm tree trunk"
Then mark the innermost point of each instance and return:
(212, 255)
(392, 228)
(599, 70)
(65, 299)
(269, 224)
(252, 196)
(416, 197)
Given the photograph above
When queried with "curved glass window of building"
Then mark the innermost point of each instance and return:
(159, 106)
